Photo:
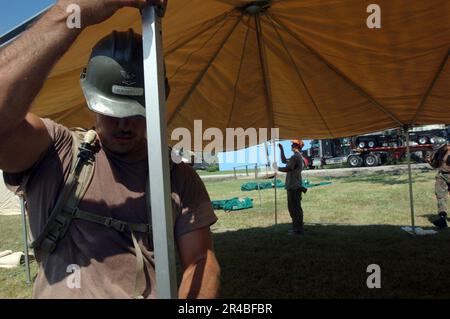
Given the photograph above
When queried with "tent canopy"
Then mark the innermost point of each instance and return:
(311, 68)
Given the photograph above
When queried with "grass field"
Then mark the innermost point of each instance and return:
(352, 223)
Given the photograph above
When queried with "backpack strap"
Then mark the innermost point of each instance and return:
(116, 224)
(66, 208)
(82, 171)
(120, 226)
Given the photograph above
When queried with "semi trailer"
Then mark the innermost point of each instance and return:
(376, 148)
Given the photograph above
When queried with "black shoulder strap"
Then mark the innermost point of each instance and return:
(66, 209)
(82, 170)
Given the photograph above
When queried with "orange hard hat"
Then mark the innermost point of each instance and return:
(298, 142)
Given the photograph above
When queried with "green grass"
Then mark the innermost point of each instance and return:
(12, 282)
(352, 223)
(372, 199)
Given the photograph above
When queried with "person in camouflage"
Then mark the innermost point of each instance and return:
(440, 160)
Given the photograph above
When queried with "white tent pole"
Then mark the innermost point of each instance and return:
(259, 190)
(267, 157)
(159, 171)
(275, 180)
(411, 195)
(25, 240)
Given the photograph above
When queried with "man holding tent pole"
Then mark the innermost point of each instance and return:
(87, 192)
(293, 184)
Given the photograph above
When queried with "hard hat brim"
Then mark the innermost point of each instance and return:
(113, 106)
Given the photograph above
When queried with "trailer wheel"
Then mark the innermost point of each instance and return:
(371, 160)
(355, 161)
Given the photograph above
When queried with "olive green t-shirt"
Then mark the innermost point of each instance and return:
(104, 259)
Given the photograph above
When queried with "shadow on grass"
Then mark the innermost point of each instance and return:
(331, 262)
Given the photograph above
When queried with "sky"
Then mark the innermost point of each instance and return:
(255, 155)
(13, 13)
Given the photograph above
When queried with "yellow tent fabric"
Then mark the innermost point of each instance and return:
(312, 68)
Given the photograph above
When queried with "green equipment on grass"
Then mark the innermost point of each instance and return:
(233, 204)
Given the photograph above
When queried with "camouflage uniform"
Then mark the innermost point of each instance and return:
(442, 188)
(442, 185)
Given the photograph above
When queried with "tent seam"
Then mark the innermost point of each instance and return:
(200, 77)
(265, 70)
(339, 73)
(301, 78)
(430, 87)
(238, 77)
(195, 51)
(220, 18)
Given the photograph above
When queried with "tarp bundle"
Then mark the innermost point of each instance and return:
(10, 259)
(233, 204)
(251, 186)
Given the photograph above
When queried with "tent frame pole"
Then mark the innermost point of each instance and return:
(259, 190)
(25, 240)
(158, 161)
(411, 195)
(268, 158)
(275, 181)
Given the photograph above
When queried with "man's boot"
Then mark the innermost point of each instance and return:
(441, 222)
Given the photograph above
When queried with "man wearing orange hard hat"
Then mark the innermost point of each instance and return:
(294, 188)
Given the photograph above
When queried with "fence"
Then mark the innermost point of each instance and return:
(255, 167)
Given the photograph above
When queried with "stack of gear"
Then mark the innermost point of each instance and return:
(233, 204)
(10, 259)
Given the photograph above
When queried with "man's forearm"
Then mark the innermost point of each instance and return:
(26, 62)
(201, 280)
(283, 157)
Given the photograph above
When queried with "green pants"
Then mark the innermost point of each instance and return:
(442, 188)
(294, 199)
